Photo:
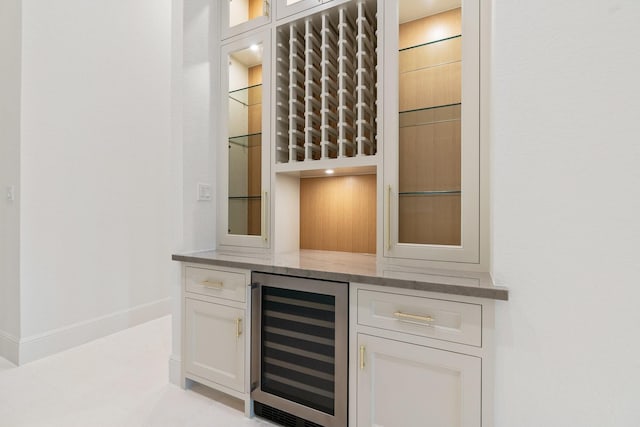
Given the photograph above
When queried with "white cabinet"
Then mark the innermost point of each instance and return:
(216, 329)
(432, 150)
(428, 317)
(337, 78)
(419, 359)
(243, 143)
(286, 8)
(401, 384)
(239, 16)
(214, 346)
(216, 283)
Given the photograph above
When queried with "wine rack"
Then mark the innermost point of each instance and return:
(326, 85)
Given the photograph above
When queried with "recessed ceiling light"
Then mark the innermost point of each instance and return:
(329, 171)
(254, 47)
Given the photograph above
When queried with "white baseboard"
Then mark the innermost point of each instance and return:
(175, 373)
(51, 342)
(9, 346)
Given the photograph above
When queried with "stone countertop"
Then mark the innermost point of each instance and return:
(350, 267)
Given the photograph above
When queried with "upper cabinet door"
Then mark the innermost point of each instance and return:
(431, 132)
(239, 16)
(243, 142)
(286, 8)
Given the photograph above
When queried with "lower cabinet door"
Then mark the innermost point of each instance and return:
(407, 385)
(214, 344)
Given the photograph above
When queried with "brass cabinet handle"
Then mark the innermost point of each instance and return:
(265, 209)
(361, 357)
(406, 316)
(212, 285)
(387, 222)
(238, 327)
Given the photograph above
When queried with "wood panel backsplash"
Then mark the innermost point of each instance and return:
(338, 213)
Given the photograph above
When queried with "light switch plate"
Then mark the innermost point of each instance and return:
(11, 193)
(204, 192)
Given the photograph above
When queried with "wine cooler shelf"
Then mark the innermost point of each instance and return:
(326, 85)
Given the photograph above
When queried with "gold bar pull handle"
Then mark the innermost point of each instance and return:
(361, 357)
(238, 327)
(212, 285)
(416, 317)
(387, 218)
(265, 212)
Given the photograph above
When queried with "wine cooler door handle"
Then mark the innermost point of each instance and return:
(254, 315)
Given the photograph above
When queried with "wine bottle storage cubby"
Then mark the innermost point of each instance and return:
(326, 85)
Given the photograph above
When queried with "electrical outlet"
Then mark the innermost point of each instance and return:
(204, 192)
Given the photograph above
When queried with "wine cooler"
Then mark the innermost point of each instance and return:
(299, 350)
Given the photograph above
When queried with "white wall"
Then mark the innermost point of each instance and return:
(10, 29)
(200, 26)
(566, 212)
(96, 220)
(194, 25)
(177, 39)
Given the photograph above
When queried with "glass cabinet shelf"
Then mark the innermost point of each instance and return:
(430, 193)
(249, 140)
(258, 197)
(445, 63)
(431, 60)
(247, 96)
(430, 43)
(431, 115)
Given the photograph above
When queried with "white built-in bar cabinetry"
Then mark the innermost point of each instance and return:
(216, 329)
(419, 358)
(420, 352)
(389, 96)
(366, 88)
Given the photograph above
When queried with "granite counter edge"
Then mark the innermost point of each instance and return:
(501, 294)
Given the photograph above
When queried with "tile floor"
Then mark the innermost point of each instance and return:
(119, 380)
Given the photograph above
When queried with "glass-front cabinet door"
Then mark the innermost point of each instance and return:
(289, 7)
(286, 8)
(432, 130)
(239, 16)
(243, 151)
